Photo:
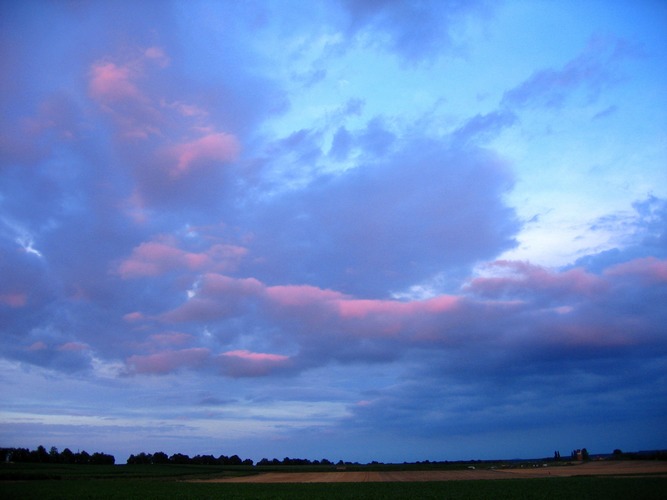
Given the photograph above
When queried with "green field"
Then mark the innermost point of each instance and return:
(28, 481)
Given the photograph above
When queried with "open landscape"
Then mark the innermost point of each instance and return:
(533, 480)
(332, 249)
(600, 468)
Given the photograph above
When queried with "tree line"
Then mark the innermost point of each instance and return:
(53, 456)
(181, 459)
(160, 457)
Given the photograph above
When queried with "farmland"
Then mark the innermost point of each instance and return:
(594, 480)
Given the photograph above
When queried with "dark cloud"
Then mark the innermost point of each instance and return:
(595, 69)
(481, 128)
(387, 225)
(164, 240)
(647, 230)
(416, 31)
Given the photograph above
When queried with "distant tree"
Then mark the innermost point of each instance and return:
(179, 458)
(140, 459)
(54, 456)
(66, 456)
(41, 455)
(82, 457)
(617, 453)
(102, 459)
(325, 461)
(248, 462)
(160, 457)
(235, 460)
(264, 461)
(204, 460)
(584, 454)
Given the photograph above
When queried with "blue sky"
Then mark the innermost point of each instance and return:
(359, 230)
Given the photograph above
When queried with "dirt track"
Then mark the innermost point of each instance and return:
(587, 469)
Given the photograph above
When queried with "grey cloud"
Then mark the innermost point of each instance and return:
(417, 31)
(388, 224)
(591, 72)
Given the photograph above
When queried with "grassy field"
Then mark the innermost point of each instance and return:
(153, 482)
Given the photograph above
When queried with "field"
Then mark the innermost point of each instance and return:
(603, 480)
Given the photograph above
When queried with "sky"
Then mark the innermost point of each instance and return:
(354, 229)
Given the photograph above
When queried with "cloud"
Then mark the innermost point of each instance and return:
(17, 299)
(416, 31)
(519, 277)
(171, 148)
(395, 220)
(648, 269)
(595, 69)
(162, 255)
(218, 147)
(243, 363)
(191, 214)
(236, 363)
(109, 82)
(168, 361)
(481, 128)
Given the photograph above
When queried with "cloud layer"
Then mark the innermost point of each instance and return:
(238, 226)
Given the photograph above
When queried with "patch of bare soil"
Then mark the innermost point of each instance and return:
(613, 468)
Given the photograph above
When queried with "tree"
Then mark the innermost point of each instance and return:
(179, 458)
(584, 454)
(141, 458)
(82, 457)
(102, 459)
(41, 455)
(160, 457)
(67, 457)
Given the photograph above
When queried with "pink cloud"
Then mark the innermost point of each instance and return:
(198, 309)
(217, 296)
(37, 346)
(256, 356)
(14, 300)
(150, 259)
(110, 82)
(157, 55)
(133, 317)
(73, 346)
(363, 308)
(168, 361)
(153, 258)
(214, 284)
(242, 363)
(187, 110)
(650, 269)
(214, 147)
(522, 277)
(300, 295)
